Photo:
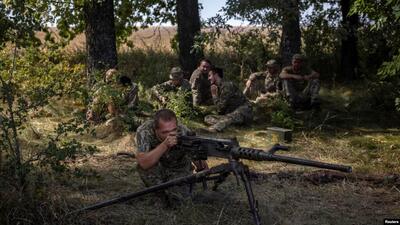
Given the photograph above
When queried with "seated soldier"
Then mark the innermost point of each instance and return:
(200, 85)
(263, 85)
(116, 96)
(159, 160)
(232, 106)
(175, 84)
(300, 84)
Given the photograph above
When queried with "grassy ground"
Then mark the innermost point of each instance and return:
(287, 194)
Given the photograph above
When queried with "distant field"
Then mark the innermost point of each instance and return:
(153, 37)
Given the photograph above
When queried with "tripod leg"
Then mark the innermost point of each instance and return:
(250, 196)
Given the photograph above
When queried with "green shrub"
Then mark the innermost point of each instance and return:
(281, 113)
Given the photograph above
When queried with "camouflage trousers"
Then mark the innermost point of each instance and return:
(300, 96)
(243, 114)
(160, 174)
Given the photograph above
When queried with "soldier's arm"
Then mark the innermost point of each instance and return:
(147, 160)
(313, 75)
(222, 101)
(286, 75)
(157, 93)
(196, 96)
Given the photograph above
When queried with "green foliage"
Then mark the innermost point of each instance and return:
(251, 49)
(390, 69)
(59, 152)
(180, 103)
(321, 37)
(28, 80)
(281, 113)
(149, 66)
(19, 20)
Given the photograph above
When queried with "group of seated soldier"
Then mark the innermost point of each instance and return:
(297, 83)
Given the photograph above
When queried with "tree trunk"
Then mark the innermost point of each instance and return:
(100, 35)
(349, 54)
(291, 34)
(188, 27)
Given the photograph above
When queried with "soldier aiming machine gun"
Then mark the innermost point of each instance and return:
(201, 148)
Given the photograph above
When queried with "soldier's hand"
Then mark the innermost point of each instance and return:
(171, 140)
(200, 165)
(214, 90)
(89, 115)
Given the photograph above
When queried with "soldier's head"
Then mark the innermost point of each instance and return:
(165, 123)
(205, 66)
(215, 75)
(111, 75)
(298, 61)
(272, 66)
(176, 76)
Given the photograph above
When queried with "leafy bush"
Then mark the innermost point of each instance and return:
(180, 103)
(29, 78)
(281, 113)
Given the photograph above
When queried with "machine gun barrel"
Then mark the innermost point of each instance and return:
(260, 155)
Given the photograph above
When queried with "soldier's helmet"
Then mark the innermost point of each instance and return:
(272, 63)
(111, 75)
(299, 57)
(176, 73)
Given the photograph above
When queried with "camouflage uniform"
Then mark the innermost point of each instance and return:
(264, 82)
(122, 97)
(232, 107)
(200, 85)
(159, 91)
(174, 163)
(301, 93)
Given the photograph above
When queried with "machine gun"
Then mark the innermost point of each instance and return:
(201, 148)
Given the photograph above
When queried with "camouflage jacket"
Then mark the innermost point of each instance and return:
(229, 98)
(159, 91)
(147, 140)
(121, 97)
(262, 82)
(200, 88)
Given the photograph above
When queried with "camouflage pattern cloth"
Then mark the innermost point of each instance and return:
(159, 91)
(200, 85)
(174, 163)
(301, 93)
(232, 107)
(262, 83)
(122, 98)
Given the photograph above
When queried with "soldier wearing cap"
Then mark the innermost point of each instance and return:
(300, 84)
(175, 84)
(262, 85)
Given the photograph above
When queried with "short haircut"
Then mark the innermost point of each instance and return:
(164, 115)
(218, 70)
(205, 60)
